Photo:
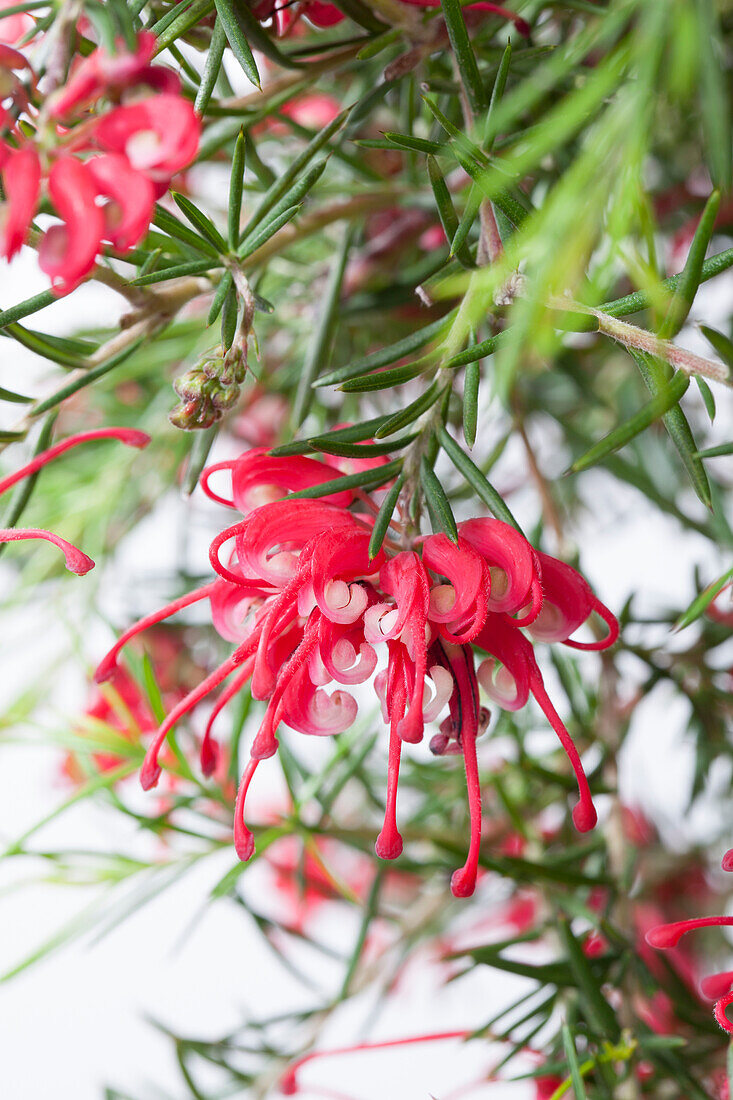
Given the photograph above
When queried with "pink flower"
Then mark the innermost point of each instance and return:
(306, 607)
(21, 170)
(131, 199)
(68, 251)
(14, 27)
(159, 135)
(102, 72)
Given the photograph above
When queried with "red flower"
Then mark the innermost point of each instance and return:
(159, 135)
(21, 170)
(306, 607)
(68, 251)
(102, 72)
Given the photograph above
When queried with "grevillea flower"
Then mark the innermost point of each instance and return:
(158, 135)
(306, 607)
(107, 197)
(76, 560)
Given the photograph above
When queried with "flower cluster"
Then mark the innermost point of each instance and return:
(307, 606)
(100, 172)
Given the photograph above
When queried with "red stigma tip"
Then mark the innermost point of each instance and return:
(388, 845)
(727, 861)
(209, 756)
(149, 775)
(244, 842)
(664, 936)
(584, 817)
(463, 883)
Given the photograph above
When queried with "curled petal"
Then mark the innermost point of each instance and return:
(268, 542)
(469, 581)
(256, 471)
(312, 710)
(720, 1012)
(234, 609)
(442, 682)
(76, 561)
(508, 688)
(22, 183)
(67, 252)
(568, 601)
(338, 558)
(510, 558)
(346, 657)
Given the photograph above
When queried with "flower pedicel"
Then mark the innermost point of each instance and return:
(306, 606)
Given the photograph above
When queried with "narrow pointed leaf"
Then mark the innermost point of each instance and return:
(464, 55)
(200, 221)
(691, 274)
(233, 23)
(701, 602)
(371, 479)
(211, 68)
(656, 375)
(471, 381)
(384, 517)
(666, 398)
(236, 184)
(411, 412)
(437, 501)
(483, 488)
(572, 1059)
(447, 211)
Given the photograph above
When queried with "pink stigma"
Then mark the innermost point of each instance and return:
(665, 936)
(76, 561)
(727, 861)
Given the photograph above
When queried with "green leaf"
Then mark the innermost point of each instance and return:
(716, 452)
(390, 354)
(572, 1057)
(473, 205)
(707, 395)
(86, 379)
(475, 352)
(471, 381)
(180, 19)
(258, 239)
(236, 184)
(437, 501)
(225, 285)
(701, 602)
(640, 299)
(212, 68)
(690, 276)
(236, 27)
(174, 227)
(496, 93)
(414, 144)
(41, 345)
(319, 349)
(14, 398)
(600, 1014)
(388, 379)
(294, 171)
(465, 57)
(203, 441)
(411, 412)
(26, 308)
(483, 488)
(384, 517)
(330, 446)
(447, 212)
(200, 221)
(666, 398)
(191, 267)
(353, 433)
(291, 200)
(364, 478)
(656, 375)
(721, 343)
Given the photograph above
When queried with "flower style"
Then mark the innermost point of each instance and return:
(715, 987)
(306, 607)
(101, 175)
(76, 561)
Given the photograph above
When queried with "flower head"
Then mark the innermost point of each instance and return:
(306, 607)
